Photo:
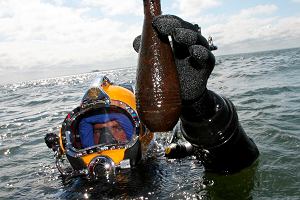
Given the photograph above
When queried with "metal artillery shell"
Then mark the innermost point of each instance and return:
(157, 83)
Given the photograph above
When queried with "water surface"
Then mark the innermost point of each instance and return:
(264, 86)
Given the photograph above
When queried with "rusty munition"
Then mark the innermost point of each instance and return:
(157, 83)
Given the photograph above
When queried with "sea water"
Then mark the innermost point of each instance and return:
(264, 86)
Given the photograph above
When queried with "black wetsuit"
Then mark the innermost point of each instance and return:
(211, 125)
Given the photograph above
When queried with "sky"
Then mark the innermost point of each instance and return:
(50, 38)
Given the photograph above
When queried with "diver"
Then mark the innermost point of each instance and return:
(104, 134)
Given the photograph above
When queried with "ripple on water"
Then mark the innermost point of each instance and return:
(264, 87)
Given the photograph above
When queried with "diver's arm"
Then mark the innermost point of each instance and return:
(211, 125)
(209, 122)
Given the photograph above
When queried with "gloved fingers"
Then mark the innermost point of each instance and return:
(201, 56)
(165, 24)
(137, 43)
(184, 34)
(192, 80)
(188, 37)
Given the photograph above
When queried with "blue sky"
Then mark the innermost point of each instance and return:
(49, 38)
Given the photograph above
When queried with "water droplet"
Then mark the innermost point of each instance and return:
(7, 152)
(85, 196)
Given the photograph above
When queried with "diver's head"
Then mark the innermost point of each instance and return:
(103, 133)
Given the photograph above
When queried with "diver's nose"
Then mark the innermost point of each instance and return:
(106, 137)
(101, 167)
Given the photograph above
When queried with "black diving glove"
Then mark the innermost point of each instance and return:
(193, 57)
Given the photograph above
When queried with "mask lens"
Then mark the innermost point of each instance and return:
(106, 128)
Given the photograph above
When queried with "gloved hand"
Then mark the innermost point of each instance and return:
(193, 57)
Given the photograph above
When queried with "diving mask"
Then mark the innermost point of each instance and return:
(103, 133)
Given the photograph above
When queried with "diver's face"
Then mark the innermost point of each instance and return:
(115, 129)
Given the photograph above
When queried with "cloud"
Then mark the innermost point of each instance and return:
(296, 1)
(116, 7)
(40, 34)
(258, 10)
(194, 7)
(257, 24)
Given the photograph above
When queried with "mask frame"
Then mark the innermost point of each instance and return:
(71, 123)
(69, 139)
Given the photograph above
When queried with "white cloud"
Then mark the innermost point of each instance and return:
(296, 1)
(266, 9)
(194, 7)
(256, 25)
(39, 34)
(116, 7)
